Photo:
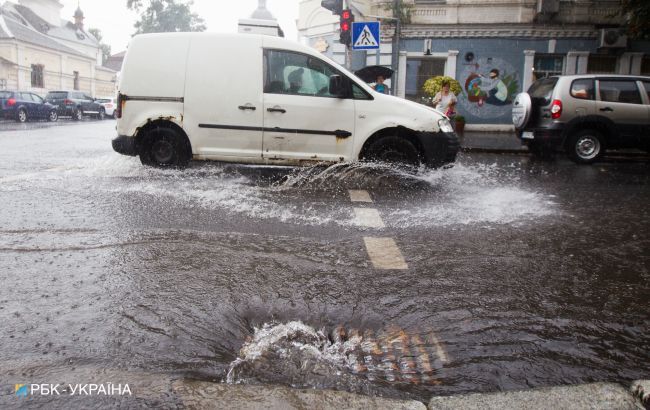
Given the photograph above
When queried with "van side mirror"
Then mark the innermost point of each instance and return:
(338, 86)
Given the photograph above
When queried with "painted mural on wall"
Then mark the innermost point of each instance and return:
(490, 85)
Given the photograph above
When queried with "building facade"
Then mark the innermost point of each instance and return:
(519, 40)
(40, 52)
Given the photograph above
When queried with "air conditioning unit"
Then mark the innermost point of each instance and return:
(613, 38)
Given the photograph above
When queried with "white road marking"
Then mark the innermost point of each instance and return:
(360, 196)
(368, 217)
(384, 253)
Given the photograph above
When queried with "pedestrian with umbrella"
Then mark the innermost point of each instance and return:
(377, 74)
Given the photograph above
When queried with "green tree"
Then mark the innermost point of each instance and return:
(637, 15)
(164, 16)
(106, 49)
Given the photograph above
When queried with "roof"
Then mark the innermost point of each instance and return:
(12, 29)
(67, 31)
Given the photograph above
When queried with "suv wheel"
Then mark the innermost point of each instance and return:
(585, 147)
(394, 150)
(78, 114)
(102, 114)
(21, 116)
(53, 117)
(164, 148)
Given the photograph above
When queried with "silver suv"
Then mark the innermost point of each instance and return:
(584, 115)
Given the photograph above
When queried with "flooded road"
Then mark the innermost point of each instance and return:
(517, 273)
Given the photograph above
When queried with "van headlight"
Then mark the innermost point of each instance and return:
(444, 125)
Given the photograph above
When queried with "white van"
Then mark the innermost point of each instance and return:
(263, 100)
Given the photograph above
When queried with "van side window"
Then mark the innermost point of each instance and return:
(619, 91)
(296, 74)
(646, 84)
(583, 89)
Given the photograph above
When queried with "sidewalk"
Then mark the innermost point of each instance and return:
(485, 141)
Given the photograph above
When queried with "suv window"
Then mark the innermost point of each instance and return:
(298, 74)
(646, 84)
(583, 89)
(619, 91)
(542, 90)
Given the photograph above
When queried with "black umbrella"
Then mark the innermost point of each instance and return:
(369, 74)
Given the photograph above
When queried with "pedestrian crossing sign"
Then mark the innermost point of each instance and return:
(365, 35)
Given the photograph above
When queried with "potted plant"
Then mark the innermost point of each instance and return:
(459, 124)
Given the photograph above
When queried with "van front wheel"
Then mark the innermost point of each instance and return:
(394, 150)
(164, 148)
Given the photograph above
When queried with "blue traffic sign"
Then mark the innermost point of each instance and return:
(365, 35)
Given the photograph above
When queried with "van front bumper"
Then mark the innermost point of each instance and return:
(125, 145)
(440, 148)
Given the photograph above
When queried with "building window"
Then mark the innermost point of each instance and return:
(37, 76)
(76, 80)
(645, 66)
(3, 84)
(419, 70)
(600, 64)
(548, 65)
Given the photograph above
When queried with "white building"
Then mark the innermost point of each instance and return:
(40, 51)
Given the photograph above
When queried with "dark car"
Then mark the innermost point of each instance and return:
(76, 104)
(23, 106)
(584, 115)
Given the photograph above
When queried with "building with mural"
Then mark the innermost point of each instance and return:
(495, 49)
(40, 51)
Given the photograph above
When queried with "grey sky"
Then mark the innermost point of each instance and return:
(116, 21)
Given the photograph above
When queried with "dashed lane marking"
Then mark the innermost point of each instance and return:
(384, 253)
(360, 196)
(368, 217)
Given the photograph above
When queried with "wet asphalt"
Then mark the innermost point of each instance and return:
(521, 273)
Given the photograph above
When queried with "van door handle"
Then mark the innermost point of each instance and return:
(247, 107)
(342, 134)
(280, 110)
(607, 109)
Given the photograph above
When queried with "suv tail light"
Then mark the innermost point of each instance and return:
(556, 109)
(11, 102)
(68, 102)
(119, 106)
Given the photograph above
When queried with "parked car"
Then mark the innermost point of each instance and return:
(23, 106)
(273, 101)
(584, 115)
(76, 104)
(109, 105)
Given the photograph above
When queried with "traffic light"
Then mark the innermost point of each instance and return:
(335, 6)
(347, 18)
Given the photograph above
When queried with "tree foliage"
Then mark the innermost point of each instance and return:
(637, 14)
(164, 16)
(106, 49)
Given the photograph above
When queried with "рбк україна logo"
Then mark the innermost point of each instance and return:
(21, 390)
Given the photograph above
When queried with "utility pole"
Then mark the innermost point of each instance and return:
(397, 5)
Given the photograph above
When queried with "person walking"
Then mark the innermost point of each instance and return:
(445, 101)
(380, 87)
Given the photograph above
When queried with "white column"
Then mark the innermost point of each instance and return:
(19, 61)
(583, 60)
(571, 63)
(93, 81)
(637, 60)
(529, 65)
(452, 61)
(401, 81)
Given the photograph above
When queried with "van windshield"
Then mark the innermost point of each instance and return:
(542, 90)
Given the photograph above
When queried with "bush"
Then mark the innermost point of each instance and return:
(434, 84)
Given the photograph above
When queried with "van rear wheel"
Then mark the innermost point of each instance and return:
(394, 150)
(164, 148)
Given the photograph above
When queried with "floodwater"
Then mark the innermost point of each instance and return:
(520, 273)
